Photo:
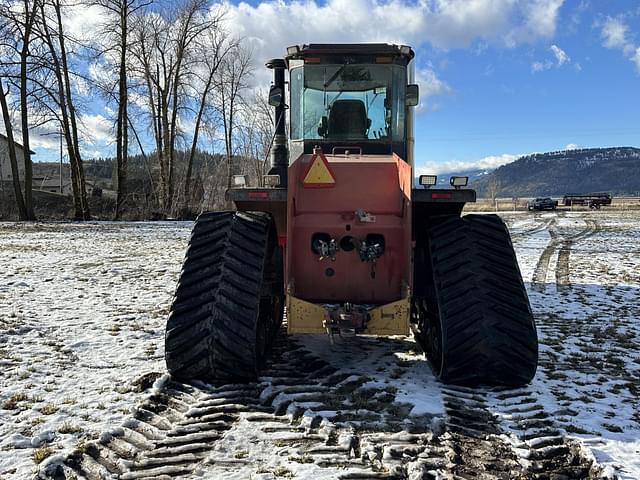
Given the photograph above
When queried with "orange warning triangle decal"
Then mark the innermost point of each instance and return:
(318, 173)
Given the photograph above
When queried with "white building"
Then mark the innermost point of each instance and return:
(5, 166)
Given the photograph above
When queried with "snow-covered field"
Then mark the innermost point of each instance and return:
(82, 312)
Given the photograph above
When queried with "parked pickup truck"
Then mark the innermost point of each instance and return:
(592, 200)
(542, 203)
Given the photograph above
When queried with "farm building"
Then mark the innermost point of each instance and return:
(5, 166)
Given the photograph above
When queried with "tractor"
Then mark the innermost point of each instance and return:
(341, 236)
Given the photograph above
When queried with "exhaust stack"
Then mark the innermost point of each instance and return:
(279, 150)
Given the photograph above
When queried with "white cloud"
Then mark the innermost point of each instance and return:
(541, 66)
(636, 58)
(97, 129)
(615, 35)
(452, 166)
(82, 21)
(572, 146)
(446, 24)
(430, 86)
(48, 140)
(541, 17)
(560, 56)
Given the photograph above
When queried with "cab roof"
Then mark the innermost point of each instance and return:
(356, 49)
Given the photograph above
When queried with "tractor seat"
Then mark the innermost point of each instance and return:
(348, 120)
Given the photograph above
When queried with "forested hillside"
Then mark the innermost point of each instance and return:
(615, 170)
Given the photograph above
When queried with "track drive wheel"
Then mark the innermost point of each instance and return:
(229, 301)
(474, 318)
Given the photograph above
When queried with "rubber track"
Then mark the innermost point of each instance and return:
(211, 330)
(489, 335)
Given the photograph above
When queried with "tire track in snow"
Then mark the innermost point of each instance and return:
(562, 245)
(562, 270)
(333, 420)
(543, 449)
(547, 224)
(167, 435)
(472, 438)
(542, 267)
(319, 415)
(300, 401)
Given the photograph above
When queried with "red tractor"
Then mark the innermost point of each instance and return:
(340, 236)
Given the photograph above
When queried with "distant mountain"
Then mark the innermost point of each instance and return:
(614, 170)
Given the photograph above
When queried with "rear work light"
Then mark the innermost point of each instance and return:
(458, 182)
(271, 180)
(428, 180)
(240, 181)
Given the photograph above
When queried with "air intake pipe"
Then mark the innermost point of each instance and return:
(279, 149)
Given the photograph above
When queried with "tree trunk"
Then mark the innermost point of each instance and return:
(164, 118)
(22, 211)
(85, 213)
(194, 143)
(122, 140)
(24, 112)
(61, 102)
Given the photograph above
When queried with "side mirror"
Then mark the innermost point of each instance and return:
(275, 96)
(323, 127)
(413, 96)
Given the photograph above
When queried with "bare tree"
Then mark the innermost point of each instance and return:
(65, 111)
(232, 77)
(165, 46)
(213, 50)
(493, 186)
(116, 32)
(18, 25)
(22, 211)
(255, 135)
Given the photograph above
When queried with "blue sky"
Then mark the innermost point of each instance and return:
(499, 78)
(521, 99)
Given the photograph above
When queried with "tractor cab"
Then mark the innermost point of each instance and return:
(351, 97)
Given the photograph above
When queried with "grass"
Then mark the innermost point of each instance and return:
(39, 454)
(68, 427)
(48, 409)
(283, 472)
(302, 459)
(12, 402)
(82, 446)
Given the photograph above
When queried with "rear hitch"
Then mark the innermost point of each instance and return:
(344, 320)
